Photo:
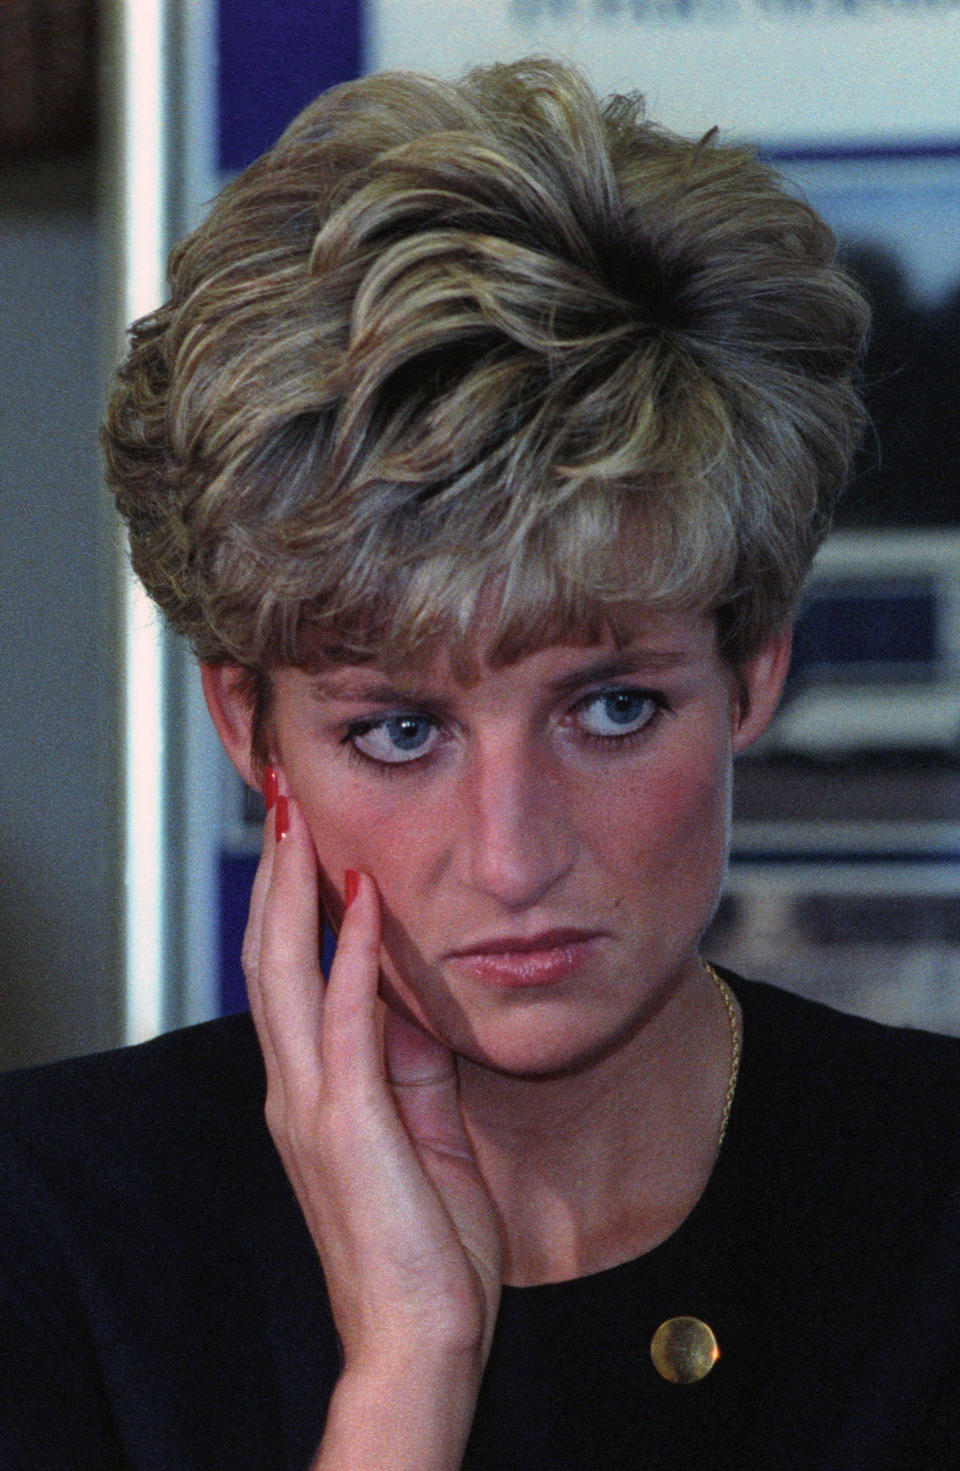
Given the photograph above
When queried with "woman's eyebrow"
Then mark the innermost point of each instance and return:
(641, 661)
(369, 691)
(345, 689)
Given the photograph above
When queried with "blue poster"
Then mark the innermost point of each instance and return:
(274, 57)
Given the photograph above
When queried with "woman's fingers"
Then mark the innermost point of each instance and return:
(250, 954)
(350, 1049)
(423, 1077)
(403, 1068)
(282, 954)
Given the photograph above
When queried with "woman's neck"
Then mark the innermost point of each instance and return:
(592, 1168)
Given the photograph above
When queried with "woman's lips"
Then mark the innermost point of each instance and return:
(539, 960)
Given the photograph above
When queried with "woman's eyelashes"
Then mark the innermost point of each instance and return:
(611, 717)
(394, 740)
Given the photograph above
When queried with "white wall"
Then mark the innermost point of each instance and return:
(780, 71)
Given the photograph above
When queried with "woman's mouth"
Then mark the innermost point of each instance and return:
(520, 960)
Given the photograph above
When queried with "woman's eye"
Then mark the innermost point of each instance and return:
(614, 713)
(396, 738)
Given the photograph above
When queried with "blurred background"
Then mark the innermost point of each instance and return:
(126, 843)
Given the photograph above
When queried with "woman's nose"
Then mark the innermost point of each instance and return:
(517, 836)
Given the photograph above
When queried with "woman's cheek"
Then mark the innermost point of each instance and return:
(365, 844)
(684, 813)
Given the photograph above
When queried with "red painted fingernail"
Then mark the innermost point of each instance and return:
(351, 885)
(271, 786)
(281, 818)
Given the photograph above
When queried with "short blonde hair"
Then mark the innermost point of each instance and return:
(448, 337)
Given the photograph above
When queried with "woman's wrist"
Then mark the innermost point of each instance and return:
(408, 1414)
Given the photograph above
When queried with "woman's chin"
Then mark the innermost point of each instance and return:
(523, 1031)
(541, 1048)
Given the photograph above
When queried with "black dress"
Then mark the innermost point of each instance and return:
(161, 1307)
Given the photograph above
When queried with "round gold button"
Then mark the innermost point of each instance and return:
(684, 1350)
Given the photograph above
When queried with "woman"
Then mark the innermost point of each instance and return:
(480, 452)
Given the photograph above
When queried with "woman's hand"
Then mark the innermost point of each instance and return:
(370, 1132)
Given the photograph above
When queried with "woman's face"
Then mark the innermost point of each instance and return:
(548, 841)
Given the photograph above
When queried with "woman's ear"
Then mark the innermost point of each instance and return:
(760, 684)
(226, 689)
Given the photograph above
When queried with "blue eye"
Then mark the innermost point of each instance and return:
(396, 738)
(620, 712)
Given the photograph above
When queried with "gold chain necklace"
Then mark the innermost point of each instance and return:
(736, 1045)
(685, 1349)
